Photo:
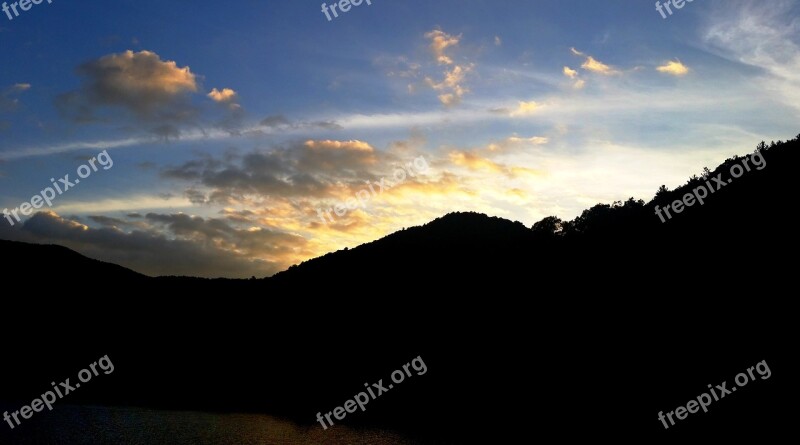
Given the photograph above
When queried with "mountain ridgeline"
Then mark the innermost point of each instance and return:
(622, 237)
(593, 325)
(737, 227)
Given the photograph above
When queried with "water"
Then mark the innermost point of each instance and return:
(71, 425)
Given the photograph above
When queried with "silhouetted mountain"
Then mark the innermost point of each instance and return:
(605, 241)
(579, 328)
(65, 265)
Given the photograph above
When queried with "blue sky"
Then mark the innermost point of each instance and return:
(231, 124)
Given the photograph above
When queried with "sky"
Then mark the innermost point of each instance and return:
(236, 139)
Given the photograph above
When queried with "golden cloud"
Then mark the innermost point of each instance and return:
(474, 162)
(353, 146)
(140, 82)
(526, 108)
(144, 73)
(225, 96)
(590, 64)
(451, 84)
(595, 66)
(440, 41)
(674, 68)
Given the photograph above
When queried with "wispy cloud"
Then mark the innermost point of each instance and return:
(763, 35)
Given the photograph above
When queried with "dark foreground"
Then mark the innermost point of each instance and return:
(588, 331)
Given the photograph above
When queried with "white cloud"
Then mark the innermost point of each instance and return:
(764, 35)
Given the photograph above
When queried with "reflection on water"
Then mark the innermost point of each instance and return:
(68, 425)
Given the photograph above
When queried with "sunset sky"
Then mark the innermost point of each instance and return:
(231, 123)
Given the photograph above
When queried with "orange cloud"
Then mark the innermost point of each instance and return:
(328, 144)
(474, 162)
(440, 41)
(225, 96)
(452, 83)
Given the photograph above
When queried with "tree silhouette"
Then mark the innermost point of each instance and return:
(548, 227)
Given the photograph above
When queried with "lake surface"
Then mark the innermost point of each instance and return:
(69, 425)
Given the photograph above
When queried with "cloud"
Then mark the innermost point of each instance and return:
(473, 161)
(326, 125)
(357, 146)
(226, 95)
(280, 122)
(593, 65)
(8, 100)
(452, 85)
(399, 66)
(139, 83)
(573, 74)
(505, 157)
(308, 169)
(166, 132)
(516, 141)
(477, 163)
(451, 88)
(126, 204)
(169, 244)
(240, 216)
(763, 35)
(109, 221)
(233, 120)
(674, 68)
(275, 121)
(284, 186)
(498, 41)
(440, 41)
(526, 108)
(479, 159)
